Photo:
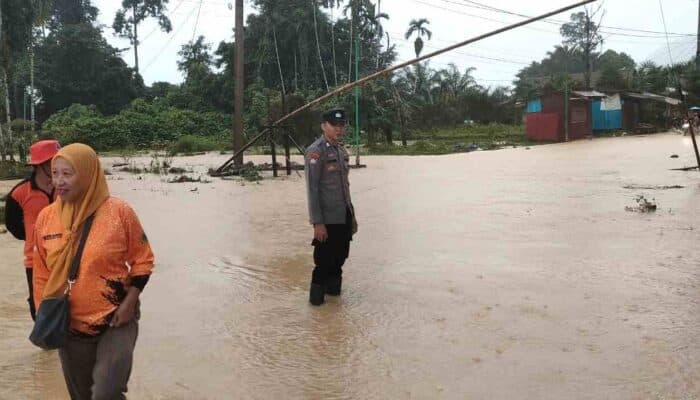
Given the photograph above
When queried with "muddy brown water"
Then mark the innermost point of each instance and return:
(512, 274)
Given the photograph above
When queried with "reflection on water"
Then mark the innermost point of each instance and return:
(488, 275)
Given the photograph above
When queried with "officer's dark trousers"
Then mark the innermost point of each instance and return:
(329, 256)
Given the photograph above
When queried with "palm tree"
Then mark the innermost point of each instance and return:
(356, 8)
(318, 45)
(43, 13)
(332, 4)
(417, 27)
(373, 20)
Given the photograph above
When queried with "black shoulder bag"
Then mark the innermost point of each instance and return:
(53, 317)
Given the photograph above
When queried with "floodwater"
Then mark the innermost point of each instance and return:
(512, 274)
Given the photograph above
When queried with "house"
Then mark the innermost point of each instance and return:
(592, 111)
(545, 116)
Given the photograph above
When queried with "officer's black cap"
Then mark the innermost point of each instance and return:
(334, 115)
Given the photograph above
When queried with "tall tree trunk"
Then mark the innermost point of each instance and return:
(31, 87)
(402, 121)
(279, 64)
(352, 17)
(136, 42)
(379, 44)
(6, 89)
(335, 69)
(318, 46)
(296, 76)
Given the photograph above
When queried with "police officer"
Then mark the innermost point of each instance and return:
(330, 208)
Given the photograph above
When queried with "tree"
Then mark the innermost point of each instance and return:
(616, 70)
(417, 26)
(374, 26)
(101, 78)
(194, 53)
(650, 77)
(71, 12)
(314, 6)
(582, 31)
(139, 10)
(332, 5)
(16, 21)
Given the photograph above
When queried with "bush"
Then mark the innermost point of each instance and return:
(79, 123)
(142, 125)
(193, 144)
(14, 170)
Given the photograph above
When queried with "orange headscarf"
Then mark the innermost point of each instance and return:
(92, 186)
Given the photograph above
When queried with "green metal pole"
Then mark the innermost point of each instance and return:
(566, 109)
(357, 102)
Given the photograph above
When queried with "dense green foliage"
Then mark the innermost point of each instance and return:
(296, 50)
(141, 125)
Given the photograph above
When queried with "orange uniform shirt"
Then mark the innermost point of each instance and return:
(23, 205)
(116, 251)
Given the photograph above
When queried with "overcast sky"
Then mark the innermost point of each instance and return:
(633, 26)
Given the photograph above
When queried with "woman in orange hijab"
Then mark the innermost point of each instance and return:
(115, 266)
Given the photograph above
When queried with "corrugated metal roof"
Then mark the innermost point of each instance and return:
(654, 97)
(589, 93)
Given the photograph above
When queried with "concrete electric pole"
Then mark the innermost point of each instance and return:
(239, 86)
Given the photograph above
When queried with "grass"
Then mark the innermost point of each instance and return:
(2, 214)
(189, 144)
(13, 170)
(458, 140)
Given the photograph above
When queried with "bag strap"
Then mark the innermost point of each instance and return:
(79, 253)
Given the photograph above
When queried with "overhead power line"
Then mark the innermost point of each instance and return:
(483, 6)
(158, 27)
(170, 39)
(668, 43)
(651, 34)
(196, 21)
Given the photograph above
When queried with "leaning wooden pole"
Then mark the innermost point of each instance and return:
(386, 71)
(695, 144)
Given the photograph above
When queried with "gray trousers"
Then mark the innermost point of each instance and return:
(98, 368)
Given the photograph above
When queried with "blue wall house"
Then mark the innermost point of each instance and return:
(606, 110)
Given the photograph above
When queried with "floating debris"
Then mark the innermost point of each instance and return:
(642, 187)
(187, 179)
(643, 205)
(132, 169)
(176, 170)
(465, 148)
(247, 171)
(674, 155)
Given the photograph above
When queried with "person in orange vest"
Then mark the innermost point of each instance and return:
(113, 270)
(25, 201)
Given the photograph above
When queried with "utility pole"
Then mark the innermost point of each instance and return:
(357, 102)
(697, 49)
(2, 136)
(239, 86)
(589, 50)
(136, 41)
